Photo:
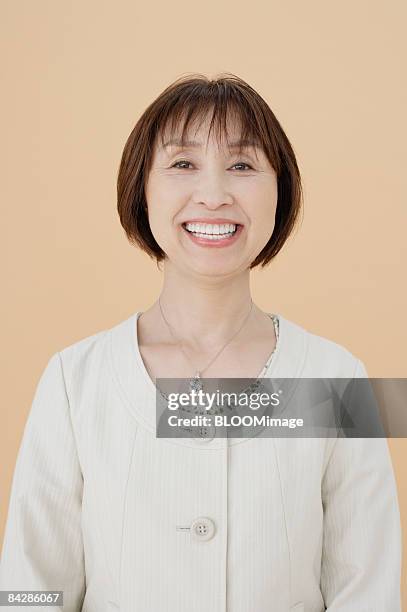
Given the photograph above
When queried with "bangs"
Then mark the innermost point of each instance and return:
(226, 105)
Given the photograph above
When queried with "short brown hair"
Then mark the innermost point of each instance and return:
(185, 100)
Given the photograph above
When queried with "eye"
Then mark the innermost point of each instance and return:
(181, 161)
(184, 161)
(243, 164)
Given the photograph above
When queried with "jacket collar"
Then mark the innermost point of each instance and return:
(138, 391)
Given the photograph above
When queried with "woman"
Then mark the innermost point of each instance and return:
(119, 518)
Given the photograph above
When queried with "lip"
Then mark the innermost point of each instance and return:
(209, 221)
(215, 244)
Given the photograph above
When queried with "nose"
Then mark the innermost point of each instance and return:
(212, 190)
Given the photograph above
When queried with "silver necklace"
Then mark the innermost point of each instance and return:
(195, 383)
(252, 387)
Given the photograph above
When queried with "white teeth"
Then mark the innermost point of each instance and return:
(213, 236)
(206, 229)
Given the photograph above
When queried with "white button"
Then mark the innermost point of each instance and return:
(206, 434)
(202, 529)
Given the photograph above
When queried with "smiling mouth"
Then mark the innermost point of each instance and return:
(212, 231)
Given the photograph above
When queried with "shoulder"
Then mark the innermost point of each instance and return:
(322, 356)
(87, 359)
(84, 349)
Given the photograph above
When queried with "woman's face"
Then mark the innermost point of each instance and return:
(211, 188)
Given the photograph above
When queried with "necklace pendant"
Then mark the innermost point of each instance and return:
(195, 383)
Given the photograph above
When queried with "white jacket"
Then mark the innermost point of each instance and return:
(121, 520)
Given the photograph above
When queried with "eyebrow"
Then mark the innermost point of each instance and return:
(191, 143)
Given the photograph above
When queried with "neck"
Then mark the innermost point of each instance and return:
(206, 310)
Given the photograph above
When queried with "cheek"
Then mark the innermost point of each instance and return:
(163, 197)
(165, 201)
(260, 197)
(261, 228)
(261, 232)
(263, 215)
(162, 224)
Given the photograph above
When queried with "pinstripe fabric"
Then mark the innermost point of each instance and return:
(100, 508)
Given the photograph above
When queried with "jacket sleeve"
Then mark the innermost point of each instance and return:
(42, 546)
(361, 556)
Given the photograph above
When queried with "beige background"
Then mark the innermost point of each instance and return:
(76, 77)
